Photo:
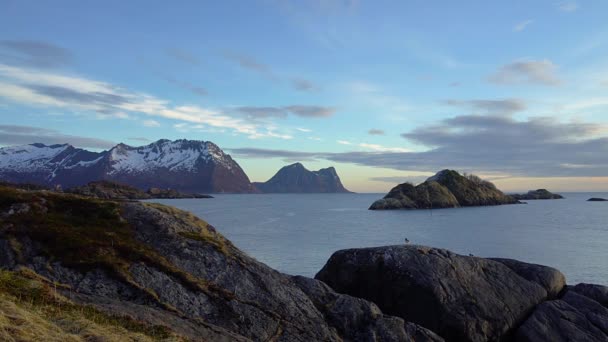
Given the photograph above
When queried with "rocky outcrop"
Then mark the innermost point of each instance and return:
(540, 194)
(458, 297)
(184, 165)
(571, 318)
(447, 189)
(597, 199)
(117, 191)
(163, 267)
(295, 178)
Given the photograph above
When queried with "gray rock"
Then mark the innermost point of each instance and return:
(551, 279)
(164, 266)
(459, 298)
(598, 293)
(572, 318)
(359, 320)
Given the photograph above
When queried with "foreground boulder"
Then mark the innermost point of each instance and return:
(447, 189)
(571, 318)
(540, 194)
(166, 270)
(460, 298)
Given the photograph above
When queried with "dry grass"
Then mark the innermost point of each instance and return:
(31, 310)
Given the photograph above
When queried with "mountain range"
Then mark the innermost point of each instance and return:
(183, 165)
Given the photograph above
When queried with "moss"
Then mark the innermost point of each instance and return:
(206, 232)
(36, 296)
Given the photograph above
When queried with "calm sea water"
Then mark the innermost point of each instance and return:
(297, 233)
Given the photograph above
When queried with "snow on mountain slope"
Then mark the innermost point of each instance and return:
(30, 158)
(181, 164)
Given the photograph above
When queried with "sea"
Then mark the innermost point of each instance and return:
(297, 233)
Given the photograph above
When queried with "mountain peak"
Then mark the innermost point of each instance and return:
(295, 178)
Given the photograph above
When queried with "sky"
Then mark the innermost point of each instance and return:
(385, 91)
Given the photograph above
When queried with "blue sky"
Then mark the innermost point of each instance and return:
(386, 91)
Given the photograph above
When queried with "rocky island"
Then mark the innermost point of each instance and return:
(540, 194)
(74, 267)
(295, 178)
(446, 189)
(597, 199)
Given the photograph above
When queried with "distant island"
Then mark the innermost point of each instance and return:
(540, 194)
(597, 199)
(446, 189)
(295, 178)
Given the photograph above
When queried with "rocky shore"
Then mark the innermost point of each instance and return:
(123, 270)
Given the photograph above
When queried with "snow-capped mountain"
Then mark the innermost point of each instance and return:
(185, 165)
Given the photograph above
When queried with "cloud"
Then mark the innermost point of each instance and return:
(249, 63)
(187, 86)
(151, 123)
(541, 72)
(140, 139)
(536, 147)
(254, 112)
(36, 88)
(311, 111)
(19, 135)
(303, 85)
(34, 54)
(381, 148)
(183, 56)
(567, 6)
(344, 142)
(375, 131)
(504, 106)
(522, 25)
(305, 130)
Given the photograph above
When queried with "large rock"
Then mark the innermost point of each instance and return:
(446, 189)
(552, 280)
(540, 194)
(598, 293)
(460, 298)
(164, 266)
(572, 318)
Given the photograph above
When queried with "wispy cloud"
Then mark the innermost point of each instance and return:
(568, 6)
(303, 84)
(311, 111)
(375, 131)
(249, 63)
(19, 135)
(380, 148)
(498, 107)
(183, 56)
(33, 53)
(37, 88)
(344, 142)
(197, 90)
(305, 130)
(151, 123)
(522, 25)
(542, 72)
